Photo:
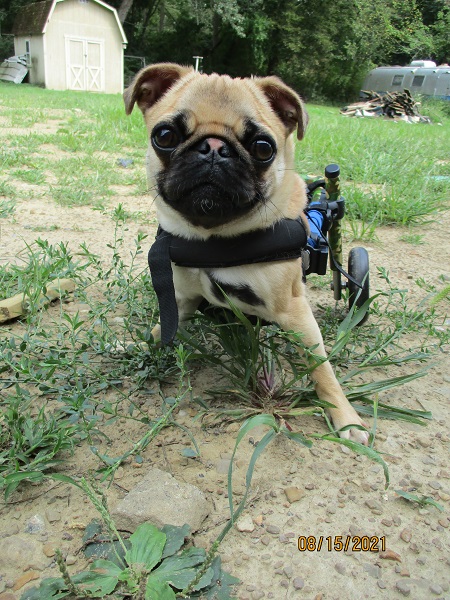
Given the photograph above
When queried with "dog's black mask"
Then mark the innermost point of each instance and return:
(211, 181)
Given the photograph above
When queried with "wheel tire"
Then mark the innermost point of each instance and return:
(358, 268)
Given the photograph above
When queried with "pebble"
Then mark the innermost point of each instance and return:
(340, 568)
(293, 494)
(24, 579)
(435, 485)
(265, 540)
(53, 515)
(288, 571)
(406, 535)
(372, 570)
(273, 529)
(35, 524)
(298, 583)
(8, 596)
(374, 506)
(245, 524)
(436, 589)
(403, 587)
(381, 584)
(424, 442)
(71, 559)
(257, 595)
(284, 583)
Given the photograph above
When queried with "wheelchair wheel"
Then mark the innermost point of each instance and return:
(358, 268)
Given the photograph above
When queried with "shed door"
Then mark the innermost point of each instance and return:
(85, 64)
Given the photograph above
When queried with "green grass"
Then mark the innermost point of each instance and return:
(387, 168)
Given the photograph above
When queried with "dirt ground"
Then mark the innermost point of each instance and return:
(341, 494)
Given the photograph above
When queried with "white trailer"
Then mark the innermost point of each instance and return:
(420, 77)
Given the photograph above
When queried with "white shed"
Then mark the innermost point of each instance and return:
(72, 45)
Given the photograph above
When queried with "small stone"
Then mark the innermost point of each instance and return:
(340, 568)
(48, 550)
(273, 529)
(35, 524)
(284, 583)
(53, 515)
(298, 583)
(390, 555)
(444, 523)
(288, 571)
(424, 442)
(265, 540)
(258, 520)
(403, 587)
(374, 505)
(293, 494)
(381, 584)
(436, 589)
(406, 535)
(435, 485)
(257, 595)
(245, 524)
(8, 596)
(372, 570)
(24, 579)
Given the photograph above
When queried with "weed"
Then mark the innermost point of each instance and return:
(267, 369)
(421, 501)
(152, 563)
(415, 239)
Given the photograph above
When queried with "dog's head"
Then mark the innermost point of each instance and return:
(220, 149)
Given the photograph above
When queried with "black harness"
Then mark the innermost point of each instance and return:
(283, 241)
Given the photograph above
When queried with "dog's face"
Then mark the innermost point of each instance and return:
(220, 149)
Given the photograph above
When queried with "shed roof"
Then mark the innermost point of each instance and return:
(32, 19)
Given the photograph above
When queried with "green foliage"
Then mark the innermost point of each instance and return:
(422, 501)
(151, 563)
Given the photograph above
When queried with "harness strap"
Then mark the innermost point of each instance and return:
(162, 279)
(283, 241)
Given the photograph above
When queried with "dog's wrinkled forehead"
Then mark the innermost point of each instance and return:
(167, 89)
(218, 105)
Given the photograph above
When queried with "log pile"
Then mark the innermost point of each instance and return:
(394, 105)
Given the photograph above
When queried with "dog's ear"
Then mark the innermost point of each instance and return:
(286, 103)
(151, 83)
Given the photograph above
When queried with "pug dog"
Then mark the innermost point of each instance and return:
(221, 158)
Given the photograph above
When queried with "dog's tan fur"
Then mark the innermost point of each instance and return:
(217, 107)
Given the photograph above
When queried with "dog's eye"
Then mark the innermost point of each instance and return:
(165, 138)
(262, 150)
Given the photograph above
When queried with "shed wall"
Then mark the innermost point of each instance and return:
(37, 69)
(84, 21)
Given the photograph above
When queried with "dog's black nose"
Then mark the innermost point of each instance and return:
(211, 145)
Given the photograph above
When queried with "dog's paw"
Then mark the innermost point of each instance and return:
(356, 435)
(347, 418)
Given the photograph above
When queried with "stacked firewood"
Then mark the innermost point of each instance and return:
(395, 105)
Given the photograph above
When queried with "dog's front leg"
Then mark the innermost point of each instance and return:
(299, 318)
(186, 308)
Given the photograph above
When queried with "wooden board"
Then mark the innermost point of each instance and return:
(16, 306)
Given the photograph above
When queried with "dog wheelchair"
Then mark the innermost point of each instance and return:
(325, 209)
